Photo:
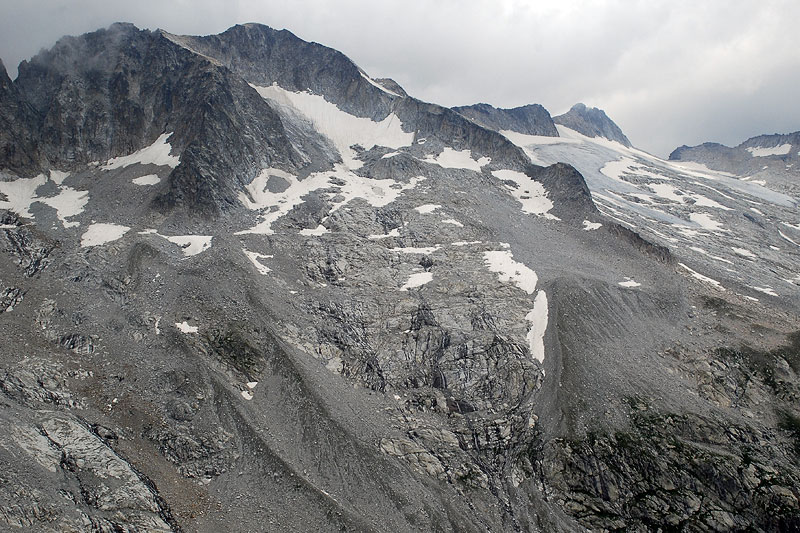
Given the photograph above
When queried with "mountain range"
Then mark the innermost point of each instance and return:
(244, 286)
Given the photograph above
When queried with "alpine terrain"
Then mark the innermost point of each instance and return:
(244, 286)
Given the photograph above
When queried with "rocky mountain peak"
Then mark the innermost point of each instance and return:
(532, 119)
(592, 122)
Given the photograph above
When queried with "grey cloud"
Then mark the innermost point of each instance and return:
(668, 72)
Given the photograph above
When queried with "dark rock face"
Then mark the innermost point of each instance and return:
(567, 189)
(530, 119)
(18, 149)
(592, 122)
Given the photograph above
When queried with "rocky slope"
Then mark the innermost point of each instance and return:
(531, 119)
(245, 287)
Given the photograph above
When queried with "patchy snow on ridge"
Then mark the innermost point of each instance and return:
(155, 154)
(538, 321)
(101, 233)
(417, 279)
(378, 85)
(760, 151)
(450, 158)
(343, 129)
(531, 194)
(502, 263)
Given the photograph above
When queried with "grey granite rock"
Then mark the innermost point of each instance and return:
(592, 122)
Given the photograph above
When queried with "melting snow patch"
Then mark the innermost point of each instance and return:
(155, 154)
(185, 327)
(538, 320)
(508, 270)
(343, 129)
(319, 230)
(394, 233)
(744, 252)
(465, 243)
(191, 244)
(98, 234)
(412, 250)
(150, 179)
(531, 194)
(629, 283)
(450, 158)
(453, 222)
(21, 193)
(247, 395)
(427, 208)
(252, 384)
(589, 226)
(760, 151)
(703, 278)
(417, 280)
(705, 221)
(254, 258)
(766, 290)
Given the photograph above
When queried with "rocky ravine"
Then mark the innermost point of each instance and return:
(247, 287)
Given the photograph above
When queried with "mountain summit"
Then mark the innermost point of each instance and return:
(244, 286)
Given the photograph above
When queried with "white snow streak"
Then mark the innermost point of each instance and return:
(760, 151)
(150, 179)
(155, 154)
(185, 327)
(538, 320)
(450, 158)
(502, 263)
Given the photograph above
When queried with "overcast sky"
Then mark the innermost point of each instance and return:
(669, 72)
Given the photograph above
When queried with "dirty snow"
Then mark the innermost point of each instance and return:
(417, 280)
(101, 233)
(155, 154)
(502, 263)
(531, 194)
(150, 179)
(254, 257)
(185, 327)
(760, 151)
(450, 158)
(427, 208)
(538, 321)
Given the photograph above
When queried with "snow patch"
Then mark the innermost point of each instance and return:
(185, 327)
(101, 233)
(254, 258)
(393, 233)
(246, 394)
(766, 290)
(453, 222)
(412, 250)
(378, 85)
(155, 154)
(744, 252)
(537, 317)
(191, 244)
(417, 280)
(450, 158)
(319, 230)
(427, 208)
(704, 279)
(531, 194)
(629, 282)
(343, 129)
(705, 221)
(150, 179)
(21, 193)
(465, 243)
(760, 151)
(502, 263)
(589, 225)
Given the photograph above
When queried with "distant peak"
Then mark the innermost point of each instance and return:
(592, 122)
